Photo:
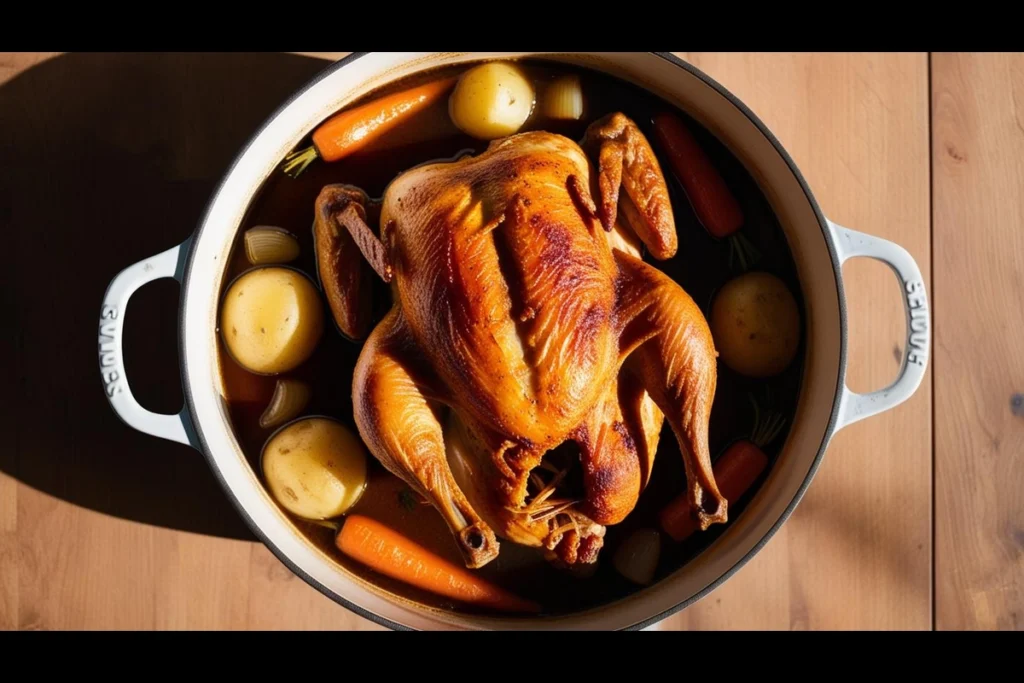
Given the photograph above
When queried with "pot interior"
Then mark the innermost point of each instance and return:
(216, 419)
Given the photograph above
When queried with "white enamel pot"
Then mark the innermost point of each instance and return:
(819, 249)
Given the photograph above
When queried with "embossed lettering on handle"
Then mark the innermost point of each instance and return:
(917, 305)
(109, 366)
(111, 355)
(850, 244)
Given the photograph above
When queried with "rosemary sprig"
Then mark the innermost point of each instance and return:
(767, 429)
(407, 500)
(743, 250)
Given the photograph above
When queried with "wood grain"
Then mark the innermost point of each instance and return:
(98, 526)
(13, 63)
(857, 552)
(9, 564)
(978, 152)
(855, 555)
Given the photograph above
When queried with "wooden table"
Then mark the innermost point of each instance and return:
(915, 520)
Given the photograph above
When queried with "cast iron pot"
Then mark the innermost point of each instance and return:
(819, 248)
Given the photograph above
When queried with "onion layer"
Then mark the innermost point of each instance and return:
(265, 244)
(637, 557)
(289, 400)
(564, 99)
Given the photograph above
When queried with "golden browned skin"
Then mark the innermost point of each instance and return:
(396, 412)
(524, 318)
(627, 161)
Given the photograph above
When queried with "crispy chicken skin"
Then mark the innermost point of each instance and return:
(523, 318)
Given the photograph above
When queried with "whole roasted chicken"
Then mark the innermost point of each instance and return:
(522, 376)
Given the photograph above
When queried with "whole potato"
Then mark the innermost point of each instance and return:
(491, 101)
(755, 323)
(315, 468)
(271, 320)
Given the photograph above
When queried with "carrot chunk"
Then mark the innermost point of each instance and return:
(735, 472)
(712, 201)
(353, 129)
(392, 554)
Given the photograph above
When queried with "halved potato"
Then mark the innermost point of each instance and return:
(271, 320)
(315, 468)
(755, 323)
(492, 100)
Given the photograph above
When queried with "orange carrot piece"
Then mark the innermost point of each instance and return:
(392, 554)
(712, 201)
(353, 129)
(735, 472)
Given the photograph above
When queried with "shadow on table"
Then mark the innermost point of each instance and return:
(105, 160)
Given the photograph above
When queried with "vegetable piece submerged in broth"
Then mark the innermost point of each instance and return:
(271, 320)
(316, 468)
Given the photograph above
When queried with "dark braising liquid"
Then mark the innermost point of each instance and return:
(701, 266)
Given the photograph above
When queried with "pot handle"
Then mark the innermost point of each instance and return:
(111, 329)
(854, 407)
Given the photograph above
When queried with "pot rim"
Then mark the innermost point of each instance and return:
(194, 425)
